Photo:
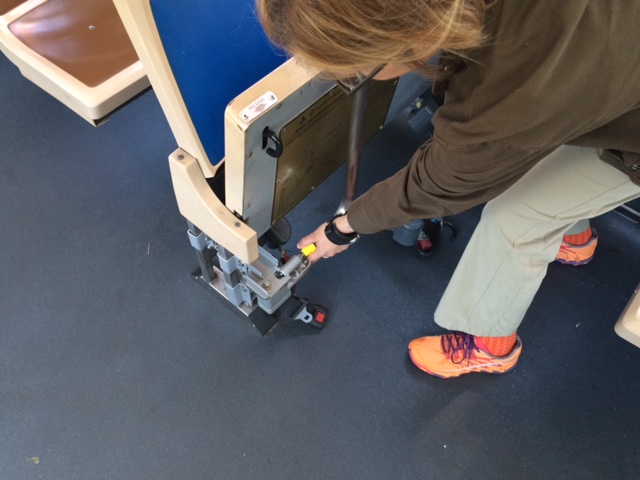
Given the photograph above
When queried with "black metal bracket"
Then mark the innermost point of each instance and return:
(277, 149)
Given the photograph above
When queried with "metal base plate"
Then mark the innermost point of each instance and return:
(258, 318)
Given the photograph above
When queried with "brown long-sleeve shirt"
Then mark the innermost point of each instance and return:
(551, 73)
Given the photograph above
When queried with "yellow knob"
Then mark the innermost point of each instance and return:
(309, 249)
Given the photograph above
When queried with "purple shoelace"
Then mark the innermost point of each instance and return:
(460, 346)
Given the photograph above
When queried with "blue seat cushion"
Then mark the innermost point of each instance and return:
(216, 50)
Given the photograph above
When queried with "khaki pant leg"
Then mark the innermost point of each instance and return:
(520, 233)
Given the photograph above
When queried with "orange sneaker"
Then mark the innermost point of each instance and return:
(576, 255)
(454, 354)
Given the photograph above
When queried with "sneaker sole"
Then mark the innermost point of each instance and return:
(574, 264)
(494, 372)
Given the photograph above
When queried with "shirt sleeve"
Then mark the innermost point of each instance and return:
(441, 179)
(536, 85)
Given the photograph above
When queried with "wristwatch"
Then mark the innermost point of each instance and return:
(337, 237)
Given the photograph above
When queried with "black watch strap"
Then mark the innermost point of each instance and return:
(338, 237)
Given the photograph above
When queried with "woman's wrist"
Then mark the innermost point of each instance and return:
(342, 225)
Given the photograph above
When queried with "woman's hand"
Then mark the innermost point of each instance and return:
(325, 248)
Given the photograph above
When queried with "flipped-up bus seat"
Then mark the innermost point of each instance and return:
(199, 56)
(76, 50)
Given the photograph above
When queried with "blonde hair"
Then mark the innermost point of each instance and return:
(341, 37)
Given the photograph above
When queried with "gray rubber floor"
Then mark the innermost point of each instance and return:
(115, 364)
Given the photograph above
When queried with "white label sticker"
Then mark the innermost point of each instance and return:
(258, 107)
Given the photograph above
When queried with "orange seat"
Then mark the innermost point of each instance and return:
(7, 5)
(78, 51)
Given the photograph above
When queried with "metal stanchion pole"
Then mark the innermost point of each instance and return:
(356, 141)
